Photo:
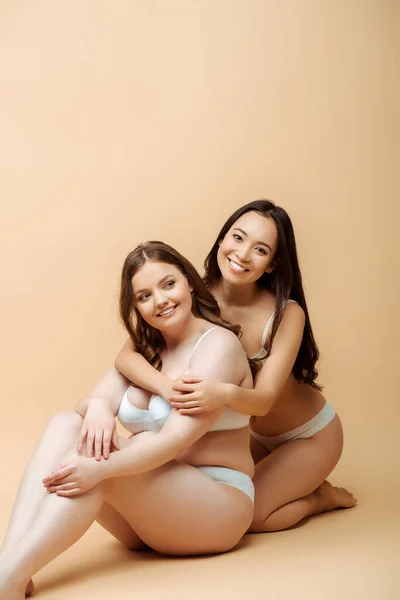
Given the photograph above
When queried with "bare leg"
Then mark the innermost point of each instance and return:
(218, 517)
(58, 437)
(59, 524)
(324, 499)
(290, 482)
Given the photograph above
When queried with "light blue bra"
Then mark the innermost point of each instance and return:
(137, 420)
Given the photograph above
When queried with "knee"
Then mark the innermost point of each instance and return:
(261, 514)
(65, 420)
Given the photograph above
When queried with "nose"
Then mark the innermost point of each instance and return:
(160, 298)
(243, 253)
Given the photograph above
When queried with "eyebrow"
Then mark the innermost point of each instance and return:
(159, 283)
(244, 233)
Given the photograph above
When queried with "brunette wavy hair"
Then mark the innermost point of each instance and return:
(284, 282)
(147, 340)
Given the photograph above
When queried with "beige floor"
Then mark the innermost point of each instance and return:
(346, 554)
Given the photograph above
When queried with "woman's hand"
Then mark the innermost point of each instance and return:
(78, 476)
(99, 430)
(197, 394)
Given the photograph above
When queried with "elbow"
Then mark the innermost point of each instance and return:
(118, 363)
(263, 407)
(81, 408)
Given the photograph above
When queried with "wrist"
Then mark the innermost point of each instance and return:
(106, 467)
(98, 401)
(224, 393)
(164, 388)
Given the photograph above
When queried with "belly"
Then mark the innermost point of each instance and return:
(229, 449)
(297, 404)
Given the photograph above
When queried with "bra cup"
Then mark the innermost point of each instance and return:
(158, 413)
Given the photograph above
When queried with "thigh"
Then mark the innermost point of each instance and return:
(296, 469)
(176, 509)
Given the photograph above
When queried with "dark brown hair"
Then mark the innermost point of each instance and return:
(284, 282)
(147, 340)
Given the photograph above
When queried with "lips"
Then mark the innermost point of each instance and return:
(236, 267)
(167, 311)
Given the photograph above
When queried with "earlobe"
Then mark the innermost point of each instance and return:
(270, 268)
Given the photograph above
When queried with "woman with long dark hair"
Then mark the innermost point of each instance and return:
(253, 272)
(181, 484)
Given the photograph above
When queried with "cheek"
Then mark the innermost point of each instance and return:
(144, 310)
(223, 251)
(262, 264)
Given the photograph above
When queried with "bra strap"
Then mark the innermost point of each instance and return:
(198, 342)
(270, 321)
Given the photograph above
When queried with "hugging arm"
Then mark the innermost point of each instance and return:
(202, 393)
(136, 368)
(220, 356)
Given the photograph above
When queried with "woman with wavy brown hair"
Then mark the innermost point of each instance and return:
(297, 439)
(181, 484)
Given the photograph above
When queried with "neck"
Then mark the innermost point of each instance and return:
(184, 333)
(237, 295)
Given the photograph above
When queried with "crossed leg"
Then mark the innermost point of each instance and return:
(290, 481)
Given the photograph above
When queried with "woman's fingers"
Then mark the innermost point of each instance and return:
(114, 440)
(59, 473)
(183, 400)
(82, 435)
(185, 405)
(68, 493)
(190, 411)
(89, 442)
(62, 486)
(98, 443)
(191, 379)
(184, 387)
(106, 443)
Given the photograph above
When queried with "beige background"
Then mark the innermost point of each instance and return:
(132, 120)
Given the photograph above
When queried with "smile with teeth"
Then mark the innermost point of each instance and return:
(167, 311)
(236, 267)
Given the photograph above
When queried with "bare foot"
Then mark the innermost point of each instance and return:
(330, 497)
(30, 588)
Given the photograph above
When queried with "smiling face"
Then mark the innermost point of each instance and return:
(162, 295)
(248, 249)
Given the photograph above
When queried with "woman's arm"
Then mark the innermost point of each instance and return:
(220, 355)
(98, 411)
(136, 368)
(107, 393)
(202, 394)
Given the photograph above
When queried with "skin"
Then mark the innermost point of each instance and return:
(137, 492)
(290, 481)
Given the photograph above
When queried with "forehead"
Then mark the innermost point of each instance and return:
(262, 229)
(152, 272)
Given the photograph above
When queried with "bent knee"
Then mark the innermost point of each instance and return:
(65, 419)
(261, 514)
